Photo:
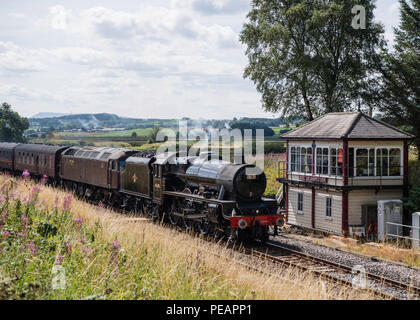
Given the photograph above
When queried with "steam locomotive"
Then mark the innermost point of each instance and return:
(209, 196)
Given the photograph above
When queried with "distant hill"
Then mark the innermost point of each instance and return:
(90, 121)
(42, 115)
(47, 121)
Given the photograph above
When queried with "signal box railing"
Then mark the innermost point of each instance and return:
(356, 176)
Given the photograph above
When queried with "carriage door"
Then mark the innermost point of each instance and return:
(157, 183)
(113, 174)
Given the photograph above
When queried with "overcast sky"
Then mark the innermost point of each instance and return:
(136, 58)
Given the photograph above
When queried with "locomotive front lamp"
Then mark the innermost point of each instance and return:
(242, 224)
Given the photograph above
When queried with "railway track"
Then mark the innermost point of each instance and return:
(343, 275)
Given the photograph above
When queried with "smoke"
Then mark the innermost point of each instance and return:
(92, 123)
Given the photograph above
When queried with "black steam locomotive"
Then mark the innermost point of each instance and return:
(210, 196)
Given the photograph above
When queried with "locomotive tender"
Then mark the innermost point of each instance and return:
(209, 196)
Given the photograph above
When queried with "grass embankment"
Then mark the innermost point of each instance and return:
(108, 255)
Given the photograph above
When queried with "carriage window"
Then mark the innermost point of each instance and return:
(114, 165)
(105, 156)
(365, 162)
(70, 152)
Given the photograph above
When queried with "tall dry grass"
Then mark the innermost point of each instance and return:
(154, 262)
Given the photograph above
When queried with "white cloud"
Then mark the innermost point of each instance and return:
(149, 23)
(213, 7)
(14, 59)
(395, 7)
(59, 16)
(22, 93)
(16, 15)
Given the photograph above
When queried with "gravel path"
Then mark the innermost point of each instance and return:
(386, 269)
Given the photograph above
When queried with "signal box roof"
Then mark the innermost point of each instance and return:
(346, 125)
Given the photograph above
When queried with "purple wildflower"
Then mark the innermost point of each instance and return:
(33, 248)
(59, 259)
(116, 244)
(25, 174)
(116, 269)
(36, 189)
(87, 250)
(6, 233)
(67, 202)
(83, 240)
(44, 179)
(78, 220)
(69, 246)
(24, 218)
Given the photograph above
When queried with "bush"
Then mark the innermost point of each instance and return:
(413, 200)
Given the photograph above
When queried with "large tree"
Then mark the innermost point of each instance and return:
(399, 101)
(12, 126)
(306, 58)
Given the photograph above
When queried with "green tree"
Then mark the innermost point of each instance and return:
(413, 200)
(12, 125)
(134, 135)
(306, 58)
(399, 101)
(152, 134)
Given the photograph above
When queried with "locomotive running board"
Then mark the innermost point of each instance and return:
(189, 216)
(198, 198)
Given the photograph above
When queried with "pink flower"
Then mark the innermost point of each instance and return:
(83, 240)
(4, 214)
(33, 248)
(24, 219)
(100, 204)
(68, 247)
(116, 244)
(59, 259)
(87, 250)
(6, 233)
(67, 202)
(116, 269)
(78, 220)
(25, 174)
(44, 179)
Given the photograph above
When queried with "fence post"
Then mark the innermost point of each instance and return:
(416, 230)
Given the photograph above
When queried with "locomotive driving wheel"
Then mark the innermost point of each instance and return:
(187, 208)
(155, 214)
(174, 219)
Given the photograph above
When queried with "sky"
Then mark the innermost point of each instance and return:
(134, 58)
